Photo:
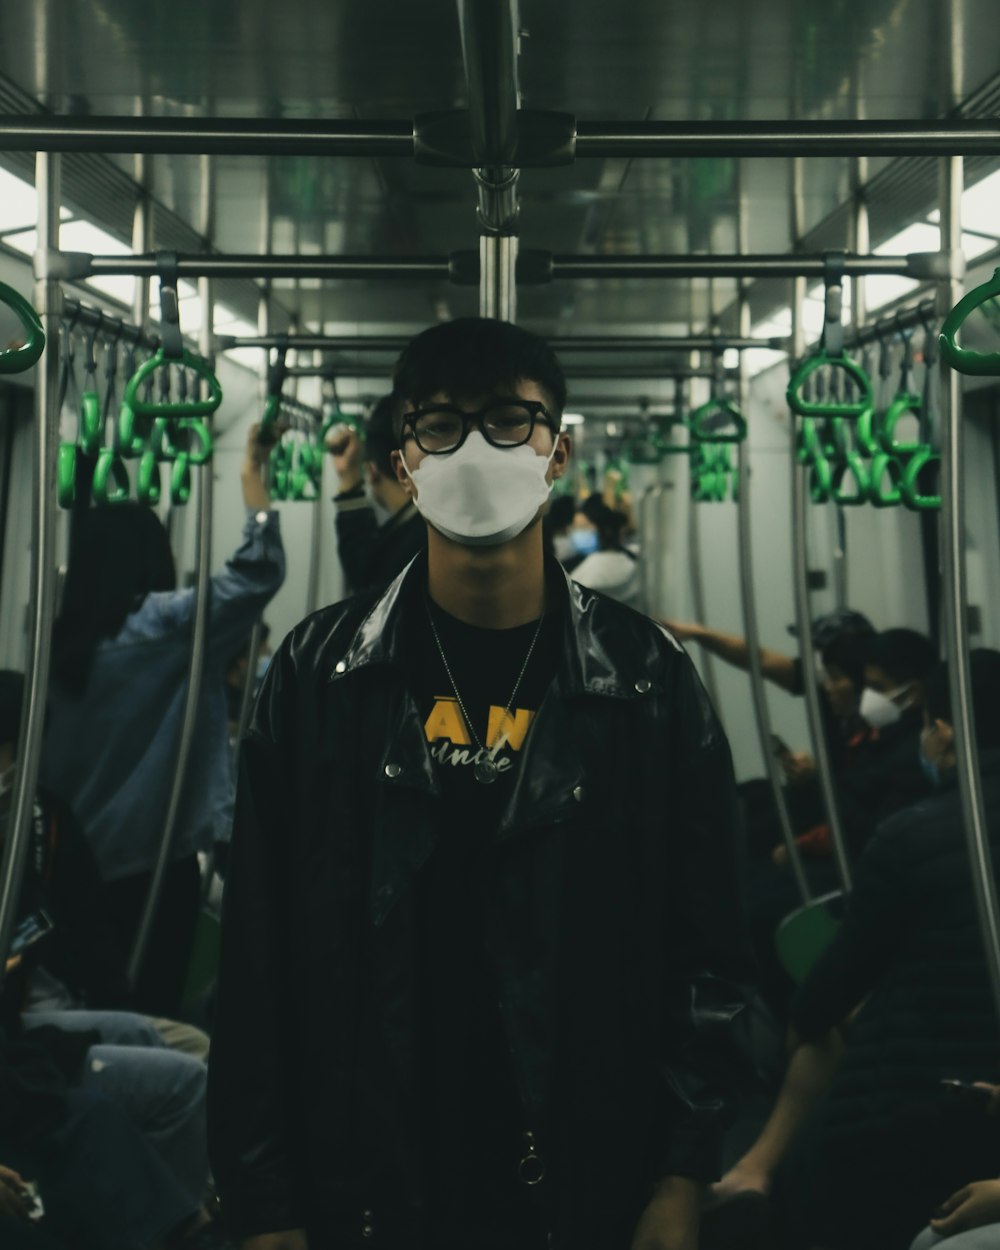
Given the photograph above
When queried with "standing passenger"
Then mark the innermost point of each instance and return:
(120, 660)
(371, 553)
(481, 949)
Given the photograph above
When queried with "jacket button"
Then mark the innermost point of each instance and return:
(392, 771)
(578, 794)
(643, 685)
(341, 667)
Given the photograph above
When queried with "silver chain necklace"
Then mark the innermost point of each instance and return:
(486, 770)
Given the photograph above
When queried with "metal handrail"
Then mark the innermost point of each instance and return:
(43, 567)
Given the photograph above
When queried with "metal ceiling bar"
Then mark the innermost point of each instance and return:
(583, 343)
(92, 318)
(955, 598)
(939, 137)
(241, 136)
(72, 266)
(364, 369)
(781, 265)
(48, 293)
(196, 136)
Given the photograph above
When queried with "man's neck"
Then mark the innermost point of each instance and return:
(492, 587)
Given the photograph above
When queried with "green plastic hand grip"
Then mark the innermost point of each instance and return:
(820, 480)
(271, 409)
(130, 445)
(828, 408)
(904, 404)
(148, 489)
(850, 468)
(17, 359)
(173, 408)
(180, 481)
(912, 496)
(702, 432)
(66, 475)
(91, 423)
(960, 358)
(110, 467)
(885, 480)
(864, 433)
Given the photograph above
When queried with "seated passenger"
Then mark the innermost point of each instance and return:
(121, 654)
(886, 1142)
(612, 568)
(557, 525)
(379, 531)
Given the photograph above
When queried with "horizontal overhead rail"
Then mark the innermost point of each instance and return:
(93, 319)
(198, 136)
(922, 265)
(583, 343)
(365, 369)
(462, 267)
(542, 138)
(940, 137)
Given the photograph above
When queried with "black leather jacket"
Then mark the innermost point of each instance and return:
(614, 926)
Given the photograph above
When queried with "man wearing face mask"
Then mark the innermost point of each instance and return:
(379, 531)
(489, 812)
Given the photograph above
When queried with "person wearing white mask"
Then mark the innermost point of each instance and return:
(489, 814)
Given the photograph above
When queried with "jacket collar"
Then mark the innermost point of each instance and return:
(595, 658)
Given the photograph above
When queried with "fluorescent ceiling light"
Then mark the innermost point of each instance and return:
(573, 418)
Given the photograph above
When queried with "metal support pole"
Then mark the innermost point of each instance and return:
(954, 597)
(497, 285)
(748, 599)
(751, 633)
(142, 239)
(192, 697)
(43, 571)
(803, 621)
(315, 551)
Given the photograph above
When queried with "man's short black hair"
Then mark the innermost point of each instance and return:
(902, 653)
(985, 671)
(380, 439)
(475, 356)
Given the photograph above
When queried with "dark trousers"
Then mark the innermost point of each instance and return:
(161, 978)
(102, 1185)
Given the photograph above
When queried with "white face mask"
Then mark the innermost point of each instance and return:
(481, 496)
(879, 709)
(563, 547)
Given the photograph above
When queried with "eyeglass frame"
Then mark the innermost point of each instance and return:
(534, 407)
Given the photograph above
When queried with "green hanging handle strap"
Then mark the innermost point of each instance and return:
(849, 481)
(718, 421)
(913, 497)
(180, 481)
(91, 426)
(885, 481)
(17, 359)
(831, 356)
(172, 352)
(906, 402)
(111, 481)
(148, 488)
(66, 475)
(980, 364)
(174, 408)
(200, 449)
(276, 376)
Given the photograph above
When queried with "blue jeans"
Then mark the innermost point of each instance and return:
(161, 1090)
(103, 1187)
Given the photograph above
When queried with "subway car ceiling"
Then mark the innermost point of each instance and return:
(733, 64)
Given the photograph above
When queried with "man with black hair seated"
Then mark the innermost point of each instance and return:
(371, 551)
(889, 1142)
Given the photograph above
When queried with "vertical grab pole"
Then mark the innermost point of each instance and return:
(192, 697)
(48, 303)
(315, 550)
(954, 596)
(800, 562)
(762, 712)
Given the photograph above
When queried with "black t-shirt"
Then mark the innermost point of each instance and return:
(473, 1126)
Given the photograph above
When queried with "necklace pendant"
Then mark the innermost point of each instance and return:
(486, 772)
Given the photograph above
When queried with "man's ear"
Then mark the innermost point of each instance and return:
(401, 475)
(373, 473)
(561, 456)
